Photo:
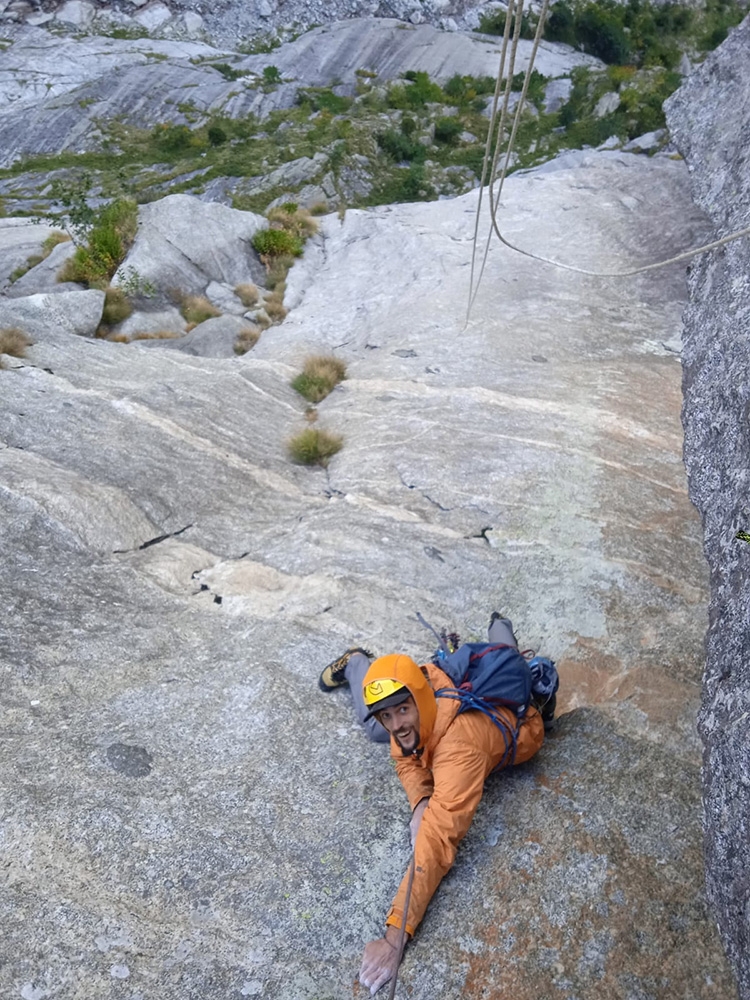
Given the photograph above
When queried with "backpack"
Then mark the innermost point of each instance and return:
(490, 676)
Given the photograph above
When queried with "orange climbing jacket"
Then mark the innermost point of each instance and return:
(456, 752)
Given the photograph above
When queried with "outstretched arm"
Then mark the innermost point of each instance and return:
(459, 771)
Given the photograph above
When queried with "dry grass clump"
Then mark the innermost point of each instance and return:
(14, 342)
(320, 375)
(156, 335)
(274, 305)
(246, 339)
(56, 237)
(277, 269)
(117, 306)
(314, 447)
(292, 219)
(319, 208)
(247, 294)
(197, 309)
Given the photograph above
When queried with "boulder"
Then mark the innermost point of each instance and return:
(606, 104)
(556, 93)
(224, 298)
(185, 243)
(20, 238)
(153, 16)
(53, 317)
(43, 277)
(709, 120)
(76, 13)
(647, 143)
(168, 320)
(214, 338)
(193, 22)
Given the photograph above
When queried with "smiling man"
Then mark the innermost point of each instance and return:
(442, 757)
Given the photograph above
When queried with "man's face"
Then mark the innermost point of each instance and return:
(402, 721)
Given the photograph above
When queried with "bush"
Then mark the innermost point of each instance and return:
(216, 135)
(14, 342)
(401, 147)
(293, 219)
(197, 309)
(117, 307)
(246, 339)
(277, 242)
(109, 240)
(599, 32)
(447, 130)
(418, 91)
(320, 375)
(494, 24)
(314, 447)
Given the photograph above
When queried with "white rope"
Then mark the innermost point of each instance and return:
(494, 197)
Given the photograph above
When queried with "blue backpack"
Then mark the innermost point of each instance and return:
(489, 676)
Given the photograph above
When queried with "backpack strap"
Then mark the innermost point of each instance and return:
(468, 702)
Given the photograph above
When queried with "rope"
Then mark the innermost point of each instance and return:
(494, 197)
(402, 931)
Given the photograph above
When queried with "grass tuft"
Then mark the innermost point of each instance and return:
(197, 309)
(14, 342)
(274, 304)
(117, 307)
(314, 447)
(320, 375)
(247, 294)
(246, 339)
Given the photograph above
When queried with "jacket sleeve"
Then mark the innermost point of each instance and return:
(417, 780)
(459, 771)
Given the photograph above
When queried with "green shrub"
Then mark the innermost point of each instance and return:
(494, 24)
(400, 147)
(324, 99)
(418, 91)
(599, 31)
(216, 135)
(320, 375)
(314, 447)
(271, 75)
(277, 243)
(447, 130)
(109, 240)
(227, 71)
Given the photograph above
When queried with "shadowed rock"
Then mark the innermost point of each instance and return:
(709, 119)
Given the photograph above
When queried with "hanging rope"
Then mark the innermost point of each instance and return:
(402, 931)
(493, 154)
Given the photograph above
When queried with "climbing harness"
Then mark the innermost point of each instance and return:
(493, 155)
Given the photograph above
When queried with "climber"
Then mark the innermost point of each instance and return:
(442, 755)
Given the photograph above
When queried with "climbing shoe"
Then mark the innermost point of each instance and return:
(333, 675)
(547, 712)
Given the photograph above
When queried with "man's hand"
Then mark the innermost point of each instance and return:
(380, 960)
(416, 819)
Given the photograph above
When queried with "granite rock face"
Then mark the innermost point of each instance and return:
(190, 816)
(709, 119)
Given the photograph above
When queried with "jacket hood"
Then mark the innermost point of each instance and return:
(401, 668)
